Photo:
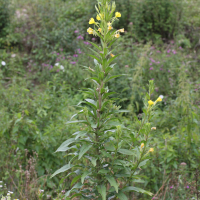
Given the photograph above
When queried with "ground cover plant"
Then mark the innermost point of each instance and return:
(44, 46)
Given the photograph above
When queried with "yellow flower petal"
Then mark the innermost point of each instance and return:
(142, 145)
(151, 150)
(150, 102)
(121, 30)
(92, 21)
(109, 24)
(118, 14)
(99, 29)
(110, 28)
(99, 17)
(117, 35)
(90, 30)
(112, 55)
(159, 99)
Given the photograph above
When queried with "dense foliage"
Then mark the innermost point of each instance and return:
(44, 48)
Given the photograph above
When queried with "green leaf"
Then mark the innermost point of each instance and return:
(108, 94)
(109, 61)
(131, 188)
(64, 145)
(76, 186)
(112, 182)
(62, 169)
(83, 150)
(92, 103)
(85, 174)
(77, 121)
(75, 179)
(99, 61)
(143, 163)
(94, 161)
(102, 191)
(112, 77)
(122, 196)
(126, 152)
(96, 46)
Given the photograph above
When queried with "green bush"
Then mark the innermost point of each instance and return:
(153, 19)
(4, 17)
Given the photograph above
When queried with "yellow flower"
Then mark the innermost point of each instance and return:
(92, 21)
(99, 29)
(159, 99)
(151, 150)
(99, 17)
(153, 128)
(110, 28)
(90, 30)
(142, 145)
(117, 35)
(109, 24)
(150, 103)
(121, 30)
(118, 14)
(112, 55)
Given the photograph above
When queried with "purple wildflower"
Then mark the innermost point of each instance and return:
(80, 37)
(174, 51)
(152, 60)
(188, 187)
(168, 51)
(169, 71)
(86, 42)
(158, 62)
(180, 48)
(93, 39)
(150, 64)
(151, 68)
(152, 79)
(171, 187)
(76, 31)
(63, 58)
(73, 63)
(158, 51)
(58, 54)
(75, 55)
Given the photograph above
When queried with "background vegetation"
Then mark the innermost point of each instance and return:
(38, 95)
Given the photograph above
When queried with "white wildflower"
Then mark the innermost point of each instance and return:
(161, 96)
(3, 63)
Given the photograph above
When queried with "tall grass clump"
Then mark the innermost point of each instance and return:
(105, 157)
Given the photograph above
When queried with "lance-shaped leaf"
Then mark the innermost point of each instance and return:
(112, 182)
(109, 61)
(77, 121)
(99, 48)
(83, 150)
(62, 169)
(126, 152)
(122, 196)
(131, 188)
(112, 77)
(102, 191)
(94, 57)
(85, 174)
(76, 186)
(64, 145)
(92, 103)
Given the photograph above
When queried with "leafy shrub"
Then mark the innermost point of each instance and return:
(153, 19)
(4, 17)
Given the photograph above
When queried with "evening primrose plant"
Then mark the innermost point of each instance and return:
(105, 157)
